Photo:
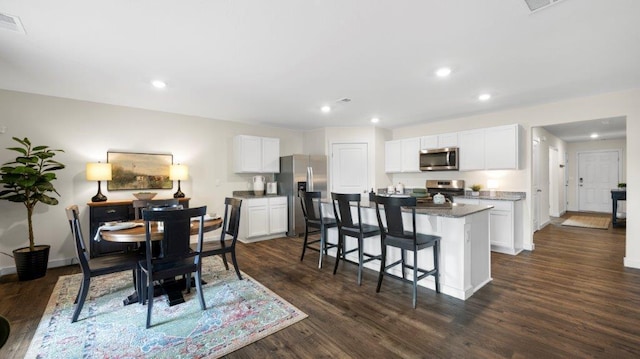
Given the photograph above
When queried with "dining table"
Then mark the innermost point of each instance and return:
(137, 234)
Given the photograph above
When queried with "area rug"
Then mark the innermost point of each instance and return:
(587, 222)
(239, 312)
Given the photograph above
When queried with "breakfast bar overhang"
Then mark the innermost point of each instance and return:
(465, 253)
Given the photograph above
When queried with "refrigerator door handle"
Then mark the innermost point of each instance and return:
(310, 179)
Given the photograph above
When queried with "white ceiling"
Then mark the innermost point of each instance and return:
(606, 129)
(277, 62)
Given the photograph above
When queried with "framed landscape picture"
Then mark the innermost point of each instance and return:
(133, 171)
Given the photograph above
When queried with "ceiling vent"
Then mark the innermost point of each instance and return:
(536, 5)
(11, 23)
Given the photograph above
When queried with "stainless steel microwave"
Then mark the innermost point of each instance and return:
(441, 159)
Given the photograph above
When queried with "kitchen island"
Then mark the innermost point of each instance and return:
(465, 251)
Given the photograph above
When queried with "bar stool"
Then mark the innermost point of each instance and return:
(395, 235)
(342, 203)
(313, 218)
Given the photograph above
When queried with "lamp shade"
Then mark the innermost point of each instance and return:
(178, 172)
(98, 171)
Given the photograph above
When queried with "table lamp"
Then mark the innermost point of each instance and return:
(492, 185)
(177, 173)
(99, 172)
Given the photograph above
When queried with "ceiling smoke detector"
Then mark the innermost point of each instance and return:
(536, 5)
(11, 23)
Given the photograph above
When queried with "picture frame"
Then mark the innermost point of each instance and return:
(135, 171)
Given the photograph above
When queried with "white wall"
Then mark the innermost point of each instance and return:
(86, 131)
(625, 103)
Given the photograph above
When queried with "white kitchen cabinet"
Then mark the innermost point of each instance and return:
(263, 218)
(444, 140)
(471, 150)
(505, 224)
(502, 147)
(402, 155)
(393, 156)
(493, 148)
(253, 154)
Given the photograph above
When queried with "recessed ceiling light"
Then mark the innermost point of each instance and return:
(158, 84)
(443, 72)
(325, 109)
(594, 135)
(484, 97)
(375, 120)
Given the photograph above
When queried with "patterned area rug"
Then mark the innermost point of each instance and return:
(238, 313)
(587, 222)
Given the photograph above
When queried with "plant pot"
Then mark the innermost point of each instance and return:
(31, 264)
(475, 193)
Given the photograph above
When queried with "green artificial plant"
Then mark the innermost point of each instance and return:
(29, 178)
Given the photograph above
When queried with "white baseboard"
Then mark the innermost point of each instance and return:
(631, 263)
(52, 264)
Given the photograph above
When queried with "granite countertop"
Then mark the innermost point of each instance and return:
(250, 194)
(495, 198)
(454, 211)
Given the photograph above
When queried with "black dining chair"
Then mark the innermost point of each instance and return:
(347, 227)
(140, 204)
(175, 257)
(228, 236)
(395, 235)
(315, 222)
(94, 267)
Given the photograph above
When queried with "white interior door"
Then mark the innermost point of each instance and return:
(349, 168)
(598, 173)
(535, 183)
(554, 182)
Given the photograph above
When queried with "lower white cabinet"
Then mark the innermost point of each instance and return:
(505, 224)
(263, 218)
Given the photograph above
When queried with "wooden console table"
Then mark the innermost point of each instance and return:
(617, 195)
(112, 211)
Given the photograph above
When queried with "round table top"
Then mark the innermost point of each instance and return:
(138, 234)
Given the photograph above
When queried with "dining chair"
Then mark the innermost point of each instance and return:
(230, 228)
(140, 204)
(94, 267)
(395, 235)
(175, 257)
(313, 219)
(347, 227)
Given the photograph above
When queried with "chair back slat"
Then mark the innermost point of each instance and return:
(311, 207)
(177, 230)
(342, 208)
(231, 222)
(392, 207)
(140, 204)
(73, 215)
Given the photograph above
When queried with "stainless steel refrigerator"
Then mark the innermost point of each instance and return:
(307, 172)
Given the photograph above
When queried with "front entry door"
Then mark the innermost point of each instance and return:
(598, 173)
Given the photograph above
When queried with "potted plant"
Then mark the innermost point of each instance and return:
(28, 180)
(475, 189)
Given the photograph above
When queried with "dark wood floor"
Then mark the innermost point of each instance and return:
(571, 297)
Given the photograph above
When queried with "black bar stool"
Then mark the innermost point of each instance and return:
(395, 235)
(313, 218)
(342, 203)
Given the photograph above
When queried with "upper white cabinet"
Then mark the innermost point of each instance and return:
(393, 156)
(253, 154)
(439, 141)
(493, 148)
(471, 150)
(402, 155)
(502, 147)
